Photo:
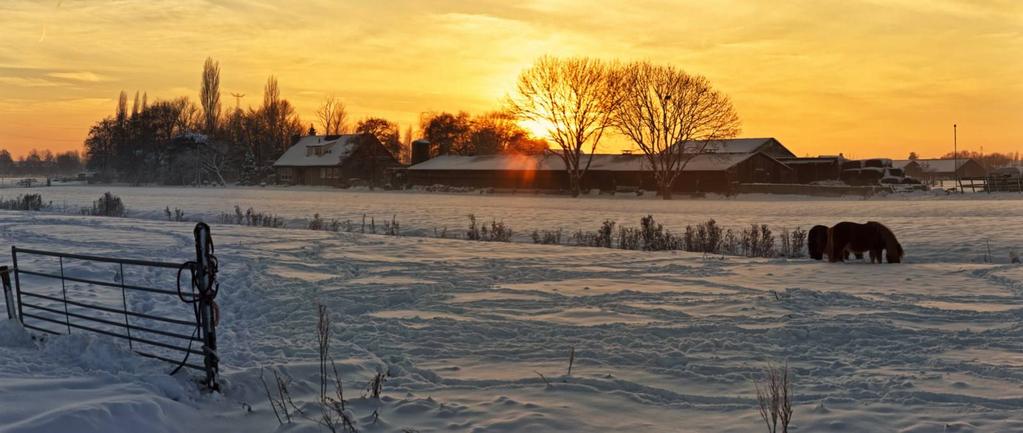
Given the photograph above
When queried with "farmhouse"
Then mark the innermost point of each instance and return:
(935, 170)
(337, 160)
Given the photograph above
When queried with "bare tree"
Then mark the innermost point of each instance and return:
(122, 109)
(280, 121)
(672, 116)
(575, 99)
(333, 116)
(209, 95)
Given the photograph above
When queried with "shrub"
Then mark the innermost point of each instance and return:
(605, 234)
(177, 215)
(546, 237)
(251, 218)
(774, 398)
(792, 243)
(730, 243)
(629, 238)
(33, 202)
(392, 228)
(107, 205)
(497, 232)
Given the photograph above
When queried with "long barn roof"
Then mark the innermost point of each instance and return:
(601, 162)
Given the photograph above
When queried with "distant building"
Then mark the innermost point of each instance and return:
(767, 145)
(710, 172)
(935, 170)
(337, 160)
(819, 169)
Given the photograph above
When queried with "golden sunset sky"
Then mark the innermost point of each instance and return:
(863, 77)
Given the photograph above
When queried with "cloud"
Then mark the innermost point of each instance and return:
(83, 76)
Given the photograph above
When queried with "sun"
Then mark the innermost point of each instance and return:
(537, 128)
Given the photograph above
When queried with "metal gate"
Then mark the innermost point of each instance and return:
(54, 293)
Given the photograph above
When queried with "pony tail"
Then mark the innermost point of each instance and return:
(829, 247)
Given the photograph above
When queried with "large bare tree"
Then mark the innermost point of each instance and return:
(574, 98)
(333, 116)
(672, 116)
(209, 96)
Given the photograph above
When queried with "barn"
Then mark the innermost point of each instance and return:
(818, 169)
(935, 170)
(767, 145)
(335, 160)
(710, 172)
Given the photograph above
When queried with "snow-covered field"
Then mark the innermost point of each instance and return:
(665, 342)
(965, 226)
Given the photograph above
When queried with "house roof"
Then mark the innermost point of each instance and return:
(933, 165)
(335, 149)
(734, 145)
(601, 162)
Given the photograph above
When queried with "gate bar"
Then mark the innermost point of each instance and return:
(98, 283)
(112, 323)
(99, 258)
(111, 310)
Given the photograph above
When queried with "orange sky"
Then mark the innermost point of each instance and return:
(863, 77)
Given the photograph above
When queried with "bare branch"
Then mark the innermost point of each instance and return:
(671, 116)
(575, 99)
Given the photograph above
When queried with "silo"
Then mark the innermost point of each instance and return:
(420, 151)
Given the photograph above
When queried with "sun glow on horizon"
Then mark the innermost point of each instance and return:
(890, 80)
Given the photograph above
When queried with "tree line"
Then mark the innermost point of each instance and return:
(40, 163)
(578, 100)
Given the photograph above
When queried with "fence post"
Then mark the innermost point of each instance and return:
(206, 283)
(5, 276)
(17, 282)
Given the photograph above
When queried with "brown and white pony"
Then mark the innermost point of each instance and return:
(873, 237)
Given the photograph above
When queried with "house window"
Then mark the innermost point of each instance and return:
(285, 174)
(330, 172)
(315, 151)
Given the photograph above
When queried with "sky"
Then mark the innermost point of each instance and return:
(866, 78)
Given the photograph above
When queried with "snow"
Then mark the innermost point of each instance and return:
(332, 151)
(933, 165)
(925, 222)
(664, 342)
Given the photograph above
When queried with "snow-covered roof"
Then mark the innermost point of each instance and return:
(318, 151)
(601, 162)
(735, 145)
(933, 165)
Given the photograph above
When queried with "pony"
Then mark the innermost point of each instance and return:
(892, 248)
(873, 237)
(816, 241)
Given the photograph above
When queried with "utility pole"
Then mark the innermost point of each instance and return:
(237, 100)
(955, 157)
